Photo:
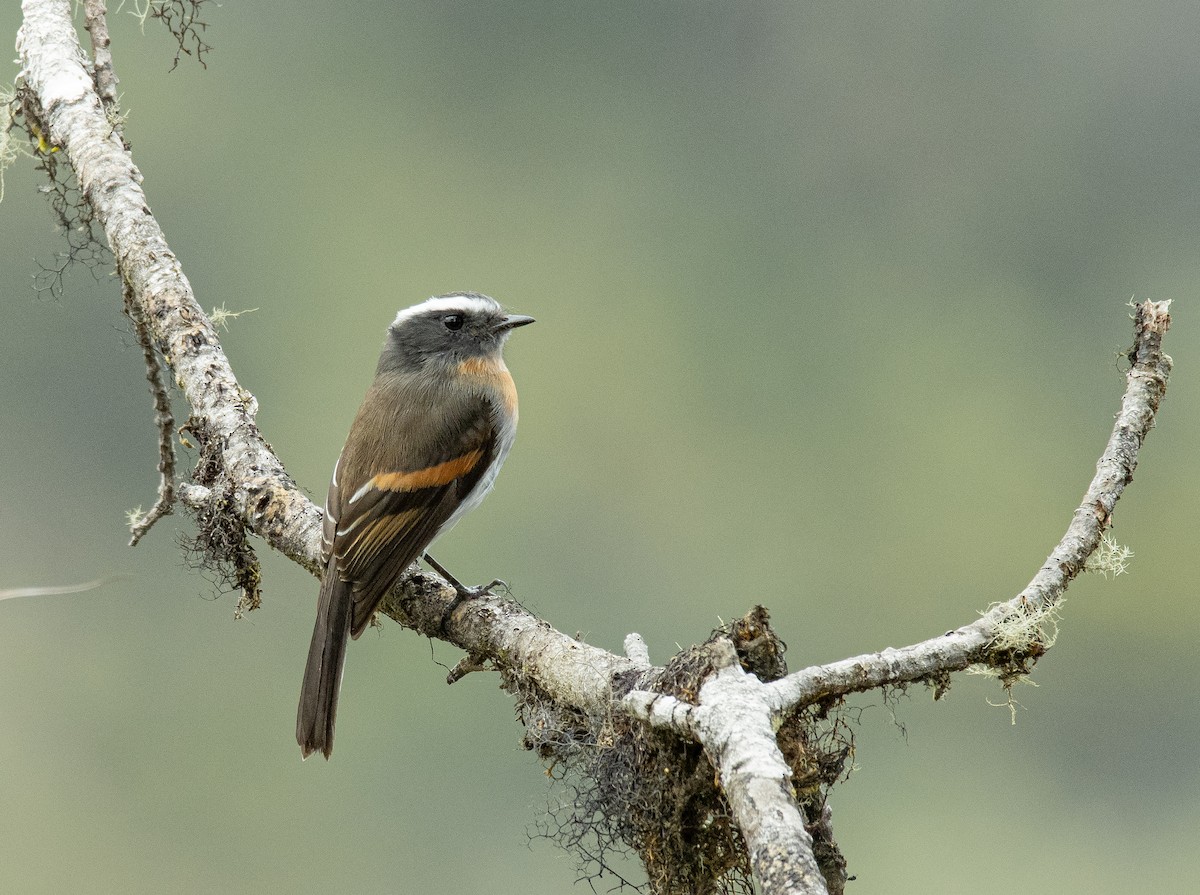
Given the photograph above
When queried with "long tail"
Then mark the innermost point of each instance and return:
(323, 673)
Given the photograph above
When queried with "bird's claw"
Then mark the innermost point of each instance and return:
(464, 592)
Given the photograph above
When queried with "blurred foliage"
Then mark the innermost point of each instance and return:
(830, 303)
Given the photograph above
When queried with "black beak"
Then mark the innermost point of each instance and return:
(512, 321)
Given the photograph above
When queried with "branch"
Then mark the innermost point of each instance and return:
(1011, 636)
(165, 420)
(241, 473)
(736, 715)
(96, 22)
(252, 479)
(733, 719)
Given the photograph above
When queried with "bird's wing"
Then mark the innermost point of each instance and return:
(385, 523)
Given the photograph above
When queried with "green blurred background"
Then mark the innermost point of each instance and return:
(829, 300)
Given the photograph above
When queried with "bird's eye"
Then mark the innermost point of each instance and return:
(454, 322)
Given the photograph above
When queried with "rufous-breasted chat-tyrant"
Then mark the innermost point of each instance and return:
(424, 450)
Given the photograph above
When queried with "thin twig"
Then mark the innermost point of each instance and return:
(163, 418)
(96, 22)
(466, 665)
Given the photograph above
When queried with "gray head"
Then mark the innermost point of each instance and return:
(447, 329)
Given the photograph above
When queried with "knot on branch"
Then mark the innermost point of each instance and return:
(758, 647)
(628, 786)
(632, 786)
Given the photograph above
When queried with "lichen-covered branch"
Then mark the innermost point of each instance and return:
(1011, 636)
(736, 715)
(734, 721)
(55, 69)
(240, 477)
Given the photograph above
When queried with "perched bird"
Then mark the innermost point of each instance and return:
(424, 449)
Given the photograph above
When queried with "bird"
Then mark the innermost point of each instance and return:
(424, 449)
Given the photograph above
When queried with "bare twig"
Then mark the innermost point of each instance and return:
(164, 419)
(183, 21)
(96, 22)
(468, 664)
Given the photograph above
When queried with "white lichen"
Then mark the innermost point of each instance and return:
(1110, 559)
(221, 316)
(135, 517)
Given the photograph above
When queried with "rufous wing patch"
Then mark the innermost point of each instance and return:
(430, 477)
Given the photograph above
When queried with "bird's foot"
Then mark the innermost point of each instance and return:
(464, 592)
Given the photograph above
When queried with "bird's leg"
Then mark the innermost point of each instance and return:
(464, 592)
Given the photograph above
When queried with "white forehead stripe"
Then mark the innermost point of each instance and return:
(467, 304)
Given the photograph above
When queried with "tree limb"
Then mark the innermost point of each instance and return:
(254, 483)
(1011, 635)
(54, 68)
(734, 721)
